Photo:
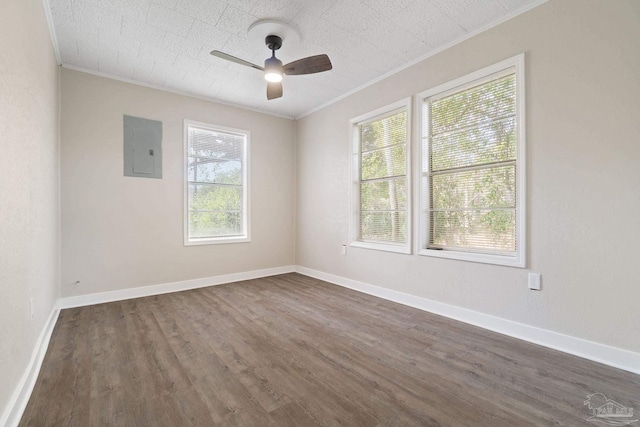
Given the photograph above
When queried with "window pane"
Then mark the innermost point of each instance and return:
(482, 188)
(383, 132)
(216, 145)
(484, 103)
(203, 197)
(488, 143)
(384, 195)
(206, 169)
(214, 224)
(384, 226)
(384, 163)
(490, 231)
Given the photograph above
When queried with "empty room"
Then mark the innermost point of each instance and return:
(319, 213)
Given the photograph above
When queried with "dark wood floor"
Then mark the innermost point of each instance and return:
(294, 351)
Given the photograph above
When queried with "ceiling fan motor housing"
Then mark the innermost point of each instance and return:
(273, 63)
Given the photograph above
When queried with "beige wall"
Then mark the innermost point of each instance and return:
(29, 219)
(121, 232)
(583, 148)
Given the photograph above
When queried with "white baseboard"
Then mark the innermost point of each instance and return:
(612, 356)
(165, 288)
(14, 410)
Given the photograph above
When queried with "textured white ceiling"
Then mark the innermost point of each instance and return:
(166, 43)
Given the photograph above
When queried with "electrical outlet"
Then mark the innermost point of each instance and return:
(344, 249)
(534, 281)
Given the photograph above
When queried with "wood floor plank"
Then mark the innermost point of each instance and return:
(332, 370)
(391, 355)
(68, 377)
(291, 350)
(281, 361)
(292, 414)
(196, 347)
(115, 384)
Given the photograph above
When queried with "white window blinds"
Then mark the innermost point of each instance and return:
(469, 166)
(381, 156)
(216, 183)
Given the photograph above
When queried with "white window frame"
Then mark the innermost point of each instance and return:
(354, 156)
(246, 195)
(422, 193)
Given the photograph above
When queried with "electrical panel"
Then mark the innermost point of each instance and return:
(142, 147)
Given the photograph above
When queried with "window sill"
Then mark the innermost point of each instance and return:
(509, 261)
(381, 247)
(217, 241)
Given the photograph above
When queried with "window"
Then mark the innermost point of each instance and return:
(472, 204)
(381, 190)
(216, 184)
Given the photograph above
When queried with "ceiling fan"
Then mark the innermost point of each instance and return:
(273, 68)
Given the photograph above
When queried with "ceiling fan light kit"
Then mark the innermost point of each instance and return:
(273, 73)
(273, 68)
